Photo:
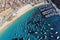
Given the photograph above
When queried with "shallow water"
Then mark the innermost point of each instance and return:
(33, 26)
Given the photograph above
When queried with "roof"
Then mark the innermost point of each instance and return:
(7, 11)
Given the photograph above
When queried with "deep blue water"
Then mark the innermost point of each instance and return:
(34, 26)
(15, 27)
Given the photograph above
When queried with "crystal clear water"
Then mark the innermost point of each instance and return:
(10, 32)
(33, 26)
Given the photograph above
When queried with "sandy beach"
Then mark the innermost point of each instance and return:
(19, 13)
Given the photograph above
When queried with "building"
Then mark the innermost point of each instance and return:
(9, 5)
(3, 5)
(5, 15)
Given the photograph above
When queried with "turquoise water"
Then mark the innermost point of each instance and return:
(32, 25)
(10, 32)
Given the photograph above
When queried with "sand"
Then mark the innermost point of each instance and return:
(19, 13)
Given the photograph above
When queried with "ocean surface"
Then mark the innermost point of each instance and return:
(33, 26)
(12, 30)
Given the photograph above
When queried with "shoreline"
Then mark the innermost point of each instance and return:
(5, 26)
(22, 10)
